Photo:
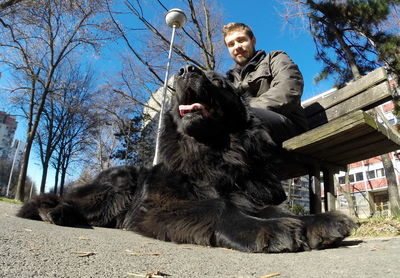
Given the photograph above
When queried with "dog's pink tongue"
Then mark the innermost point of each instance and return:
(183, 109)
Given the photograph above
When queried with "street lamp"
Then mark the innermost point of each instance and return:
(12, 169)
(174, 18)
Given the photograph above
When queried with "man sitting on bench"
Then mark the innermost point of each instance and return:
(273, 81)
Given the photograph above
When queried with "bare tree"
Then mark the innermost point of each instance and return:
(199, 43)
(113, 112)
(80, 125)
(60, 107)
(38, 40)
(5, 4)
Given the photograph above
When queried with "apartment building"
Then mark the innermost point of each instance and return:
(8, 126)
(368, 183)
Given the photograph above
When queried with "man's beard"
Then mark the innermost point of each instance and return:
(242, 62)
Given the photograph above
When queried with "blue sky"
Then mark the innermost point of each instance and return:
(263, 16)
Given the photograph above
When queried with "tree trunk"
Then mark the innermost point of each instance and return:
(349, 55)
(29, 141)
(30, 135)
(44, 176)
(347, 194)
(62, 182)
(20, 192)
(32, 128)
(64, 168)
(57, 174)
(45, 165)
(393, 190)
(65, 159)
(9, 3)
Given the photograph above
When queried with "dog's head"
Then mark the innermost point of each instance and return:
(206, 105)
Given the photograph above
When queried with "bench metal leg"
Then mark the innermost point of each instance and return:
(315, 190)
(329, 190)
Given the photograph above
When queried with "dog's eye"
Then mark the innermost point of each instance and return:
(217, 82)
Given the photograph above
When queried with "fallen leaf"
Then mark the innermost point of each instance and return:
(352, 246)
(146, 244)
(83, 253)
(153, 274)
(142, 253)
(186, 247)
(377, 248)
(270, 275)
(228, 249)
(83, 238)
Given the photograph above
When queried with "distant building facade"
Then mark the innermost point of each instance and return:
(368, 184)
(8, 126)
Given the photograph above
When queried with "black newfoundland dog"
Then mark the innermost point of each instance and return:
(215, 185)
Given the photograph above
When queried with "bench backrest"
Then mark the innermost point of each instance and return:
(364, 93)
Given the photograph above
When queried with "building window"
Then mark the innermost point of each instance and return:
(371, 174)
(359, 176)
(375, 174)
(380, 173)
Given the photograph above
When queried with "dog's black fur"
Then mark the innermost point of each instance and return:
(215, 185)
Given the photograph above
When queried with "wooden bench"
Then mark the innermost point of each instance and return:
(343, 129)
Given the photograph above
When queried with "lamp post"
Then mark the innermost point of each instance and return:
(174, 18)
(12, 169)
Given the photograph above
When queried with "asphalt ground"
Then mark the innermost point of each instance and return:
(37, 249)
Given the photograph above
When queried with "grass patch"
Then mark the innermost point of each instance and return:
(378, 226)
(4, 199)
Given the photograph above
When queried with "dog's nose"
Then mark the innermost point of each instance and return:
(188, 69)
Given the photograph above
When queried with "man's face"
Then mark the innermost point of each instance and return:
(240, 46)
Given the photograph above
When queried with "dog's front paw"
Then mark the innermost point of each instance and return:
(327, 229)
(283, 235)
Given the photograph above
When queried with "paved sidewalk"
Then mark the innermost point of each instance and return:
(37, 249)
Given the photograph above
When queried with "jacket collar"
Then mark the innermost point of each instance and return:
(258, 57)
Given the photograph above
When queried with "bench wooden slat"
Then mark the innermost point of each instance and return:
(312, 137)
(364, 137)
(387, 140)
(369, 98)
(353, 137)
(374, 149)
(365, 147)
(344, 137)
(332, 99)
